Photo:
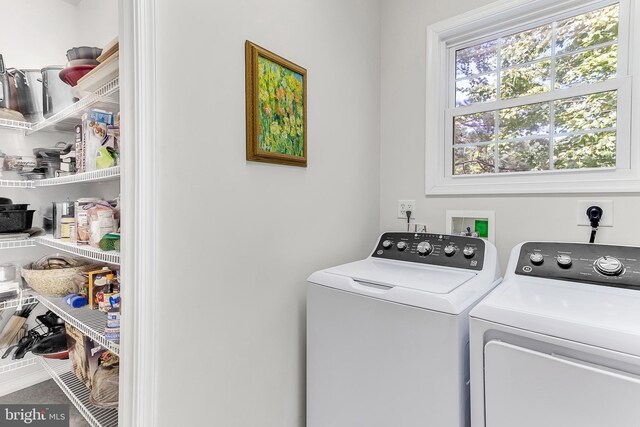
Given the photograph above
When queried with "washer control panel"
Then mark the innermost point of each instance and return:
(434, 249)
(606, 265)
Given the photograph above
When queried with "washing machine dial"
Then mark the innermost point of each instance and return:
(425, 248)
(609, 266)
(387, 244)
(564, 261)
(469, 252)
(401, 246)
(536, 258)
(449, 250)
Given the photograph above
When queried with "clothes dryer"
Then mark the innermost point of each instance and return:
(557, 343)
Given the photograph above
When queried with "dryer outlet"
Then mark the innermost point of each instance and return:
(607, 212)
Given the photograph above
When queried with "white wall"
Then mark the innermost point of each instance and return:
(237, 239)
(97, 22)
(403, 60)
(37, 33)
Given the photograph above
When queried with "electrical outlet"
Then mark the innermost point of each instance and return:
(404, 206)
(607, 212)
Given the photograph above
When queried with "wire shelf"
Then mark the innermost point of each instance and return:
(15, 183)
(8, 365)
(78, 393)
(25, 299)
(98, 175)
(12, 244)
(89, 322)
(14, 124)
(85, 251)
(106, 97)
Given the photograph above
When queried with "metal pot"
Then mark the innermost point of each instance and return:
(30, 94)
(8, 92)
(56, 94)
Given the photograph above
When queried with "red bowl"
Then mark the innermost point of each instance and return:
(71, 75)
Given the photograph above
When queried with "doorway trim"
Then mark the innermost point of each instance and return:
(139, 221)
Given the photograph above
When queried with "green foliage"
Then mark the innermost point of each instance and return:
(526, 63)
(281, 109)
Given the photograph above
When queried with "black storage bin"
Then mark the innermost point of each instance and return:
(13, 221)
(14, 207)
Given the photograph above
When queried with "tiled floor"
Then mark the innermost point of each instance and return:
(46, 392)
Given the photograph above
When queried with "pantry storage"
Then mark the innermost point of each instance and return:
(32, 128)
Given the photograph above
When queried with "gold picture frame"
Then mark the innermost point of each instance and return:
(276, 104)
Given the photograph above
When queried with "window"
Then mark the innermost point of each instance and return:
(530, 104)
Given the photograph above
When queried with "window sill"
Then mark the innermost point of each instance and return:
(579, 185)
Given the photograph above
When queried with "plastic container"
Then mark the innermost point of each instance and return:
(11, 221)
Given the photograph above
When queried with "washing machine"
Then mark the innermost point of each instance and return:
(557, 343)
(387, 336)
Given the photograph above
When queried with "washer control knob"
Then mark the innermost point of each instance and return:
(609, 266)
(387, 244)
(536, 258)
(401, 246)
(425, 248)
(564, 261)
(469, 252)
(449, 250)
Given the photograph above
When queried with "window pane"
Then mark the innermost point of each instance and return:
(478, 89)
(591, 150)
(472, 128)
(532, 119)
(596, 111)
(526, 46)
(527, 80)
(473, 160)
(591, 66)
(590, 29)
(524, 156)
(476, 59)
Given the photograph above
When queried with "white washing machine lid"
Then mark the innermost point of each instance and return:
(421, 278)
(435, 288)
(597, 315)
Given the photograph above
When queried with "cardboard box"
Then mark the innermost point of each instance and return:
(68, 167)
(79, 149)
(98, 282)
(94, 136)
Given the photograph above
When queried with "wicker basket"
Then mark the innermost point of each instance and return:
(56, 282)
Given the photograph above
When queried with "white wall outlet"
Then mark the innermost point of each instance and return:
(404, 206)
(607, 212)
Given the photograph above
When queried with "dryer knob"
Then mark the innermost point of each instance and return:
(536, 258)
(609, 266)
(449, 250)
(564, 261)
(387, 244)
(469, 252)
(425, 248)
(401, 246)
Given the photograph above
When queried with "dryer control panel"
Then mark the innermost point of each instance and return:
(606, 265)
(434, 249)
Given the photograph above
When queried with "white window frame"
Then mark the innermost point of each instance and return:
(509, 16)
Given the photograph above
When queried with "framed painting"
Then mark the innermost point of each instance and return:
(276, 91)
